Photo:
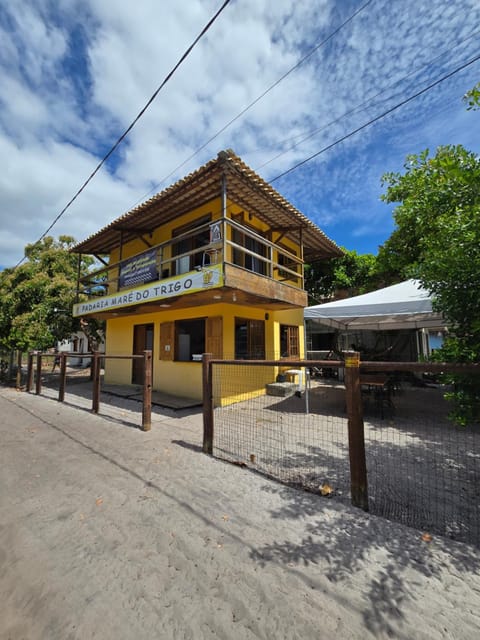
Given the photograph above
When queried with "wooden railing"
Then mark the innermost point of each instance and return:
(265, 258)
(35, 371)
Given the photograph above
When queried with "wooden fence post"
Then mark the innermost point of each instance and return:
(147, 391)
(63, 376)
(18, 380)
(207, 403)
(29, 383)
(38, 376)
(96, 382)
(356, 435)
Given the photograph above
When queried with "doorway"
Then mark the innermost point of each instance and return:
(142, 340)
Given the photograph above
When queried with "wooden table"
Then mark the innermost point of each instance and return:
(379, 384)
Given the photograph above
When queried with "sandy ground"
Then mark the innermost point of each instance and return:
(108, 532)
(422, 470)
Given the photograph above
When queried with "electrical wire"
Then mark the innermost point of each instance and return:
(297, 140)
(133, 123)
(254, 102)
(377, 118)
(300, 62)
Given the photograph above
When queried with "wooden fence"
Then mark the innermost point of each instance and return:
(34, 371)
(356, 373)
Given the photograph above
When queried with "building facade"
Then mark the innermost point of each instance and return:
(213, 264)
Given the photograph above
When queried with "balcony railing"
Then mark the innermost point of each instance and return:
(239, 246)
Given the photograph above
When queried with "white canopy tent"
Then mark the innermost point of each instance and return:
(401, 306)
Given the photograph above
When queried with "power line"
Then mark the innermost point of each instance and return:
(257, 99)
(297, 140)
(377, 118)
(134, 122)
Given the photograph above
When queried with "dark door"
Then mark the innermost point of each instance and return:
(142, 339)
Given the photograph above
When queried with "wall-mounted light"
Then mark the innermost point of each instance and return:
(234, 297)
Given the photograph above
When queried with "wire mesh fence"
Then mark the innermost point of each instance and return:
(422, 470)
(277, 430)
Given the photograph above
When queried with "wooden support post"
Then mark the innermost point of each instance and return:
(96, 382)
(28, 386)
(207, 404)
(356, 435)
(38, 376)
(147, 391)
(63, 377)
(79, 272)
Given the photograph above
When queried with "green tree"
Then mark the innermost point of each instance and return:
(351, 274)
(437, 239)
(36, 298)
(472, 97)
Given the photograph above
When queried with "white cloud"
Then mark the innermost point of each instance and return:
(73, 78)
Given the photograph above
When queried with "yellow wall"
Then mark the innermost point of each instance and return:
(185, 378)
(160, 235)
(163, 234)
(263, 229)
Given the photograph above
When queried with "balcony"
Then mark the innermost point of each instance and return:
(212, 262)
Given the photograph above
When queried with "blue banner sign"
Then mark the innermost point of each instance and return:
(139, 270)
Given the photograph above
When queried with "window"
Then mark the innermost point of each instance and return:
(284, 260)
(193, 241)
(189, 339)
(249, 339)
(289, 341)
(246, 260)
(183, 339)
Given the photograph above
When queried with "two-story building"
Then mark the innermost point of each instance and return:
(212, 264)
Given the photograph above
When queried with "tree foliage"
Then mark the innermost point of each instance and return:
(351, 274)
(472, 97)
(437, 240)
(36, 298)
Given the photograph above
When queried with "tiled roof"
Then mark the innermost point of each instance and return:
(244, 187)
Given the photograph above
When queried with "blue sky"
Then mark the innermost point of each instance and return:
(74, 74)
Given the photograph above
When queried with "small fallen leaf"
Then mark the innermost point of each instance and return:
(426, 537)
(225, 518)
(98, 501)
(326, 489)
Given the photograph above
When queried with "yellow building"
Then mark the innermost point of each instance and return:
(212, 264)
